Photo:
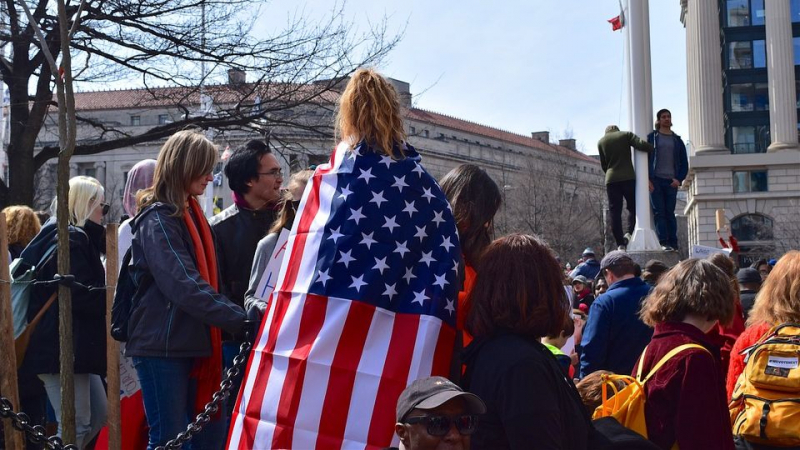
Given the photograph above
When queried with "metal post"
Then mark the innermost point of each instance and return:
(640, 91)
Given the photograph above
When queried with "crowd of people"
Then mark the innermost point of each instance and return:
(535, 346)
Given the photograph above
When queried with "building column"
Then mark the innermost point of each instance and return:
(73, 170)
(780, 69)
(691, 86)
(704, 67)
(100, 172)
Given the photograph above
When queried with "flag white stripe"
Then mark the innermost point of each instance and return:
(285, 345)
(427, 337)
(249, 382)
(368, 378)
(318, 370)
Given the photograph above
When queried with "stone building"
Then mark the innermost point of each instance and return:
(443, 141)
(743, 127)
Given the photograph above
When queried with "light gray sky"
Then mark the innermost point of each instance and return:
(522, 65)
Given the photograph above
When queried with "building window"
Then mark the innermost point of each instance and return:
(747, 55)
(413, 131)
(745, 181)
(757, 14)
(750, 139)
(136, 121)
(749, 97)
(87, 170)
(425, 133)
(794, 7)
(752, 227)
(796, 42)
(738, 13)
(162, 119)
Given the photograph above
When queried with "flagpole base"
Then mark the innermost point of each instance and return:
(644, 240)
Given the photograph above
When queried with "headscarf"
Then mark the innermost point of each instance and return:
(140, 177)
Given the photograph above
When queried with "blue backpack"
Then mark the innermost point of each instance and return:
(23, 275)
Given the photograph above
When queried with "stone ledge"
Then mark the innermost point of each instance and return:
(668, 258)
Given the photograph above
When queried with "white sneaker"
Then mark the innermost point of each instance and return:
(667, 248)
(622, 247)
(628, 237)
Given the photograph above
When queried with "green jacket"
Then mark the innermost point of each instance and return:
(615, 154)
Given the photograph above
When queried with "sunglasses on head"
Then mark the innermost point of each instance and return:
(440, 425)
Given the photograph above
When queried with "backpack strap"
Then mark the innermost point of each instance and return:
(664, 360)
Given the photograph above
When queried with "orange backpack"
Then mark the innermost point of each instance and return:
(627, 404)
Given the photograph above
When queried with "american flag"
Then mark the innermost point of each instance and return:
(365, 304)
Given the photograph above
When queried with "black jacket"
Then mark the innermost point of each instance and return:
(88, 307)
(172, 317)
(530, 403)
(238, 231)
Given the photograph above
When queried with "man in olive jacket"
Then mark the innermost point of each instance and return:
(616, 161)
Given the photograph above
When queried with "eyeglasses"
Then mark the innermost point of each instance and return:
(440, 425)
(272, 173)
(106, 208)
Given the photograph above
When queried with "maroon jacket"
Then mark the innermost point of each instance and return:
(686, 398)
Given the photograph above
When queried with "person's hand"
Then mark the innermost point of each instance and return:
(574, 358)
(675, 183)
(650, 186)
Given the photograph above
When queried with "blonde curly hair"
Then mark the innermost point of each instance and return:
(23, 224)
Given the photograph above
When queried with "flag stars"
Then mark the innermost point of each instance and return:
(381, 265)
(441, 280)
(402, 248)
(447, 244)
(377, 198)
(418, 169)
(409, 276)
(345, 192)
(390, 291)
(427, 194)
(450, 307)
(410, 208)
(367, 240)
(335, 235)
(323, 277)
(386, 160)
(427, 258)
(390, 223)
(421, 234)
(455, 266)
(420, 297)
(366, 175)
(356, 215)
(400, 183)
(437, 217)
(358, 283)
(345, 258)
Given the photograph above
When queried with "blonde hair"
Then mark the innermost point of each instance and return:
(694, 286)
(85, 194)
(369, 110)
(23, 224)
(778, 301)
(287, 212)
(185, 156)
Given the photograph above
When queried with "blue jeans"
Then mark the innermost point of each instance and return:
(662, 199)
(168, 396)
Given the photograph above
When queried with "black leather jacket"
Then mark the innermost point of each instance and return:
(173, 315)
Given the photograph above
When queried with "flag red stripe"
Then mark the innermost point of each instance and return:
(343, 375)
(393, 379)
(312, 318)
(249, 427)
(299, 245)
(444, 351)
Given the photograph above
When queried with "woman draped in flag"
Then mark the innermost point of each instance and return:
(174, 333)
(365, 301)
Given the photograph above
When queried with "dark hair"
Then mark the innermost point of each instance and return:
(243, 165)
(662, 111)
(517, 288)
(567, 330)
(624, 267)
(694, 286)
(475, 199)
(759, 263)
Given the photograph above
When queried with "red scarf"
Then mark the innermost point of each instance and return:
(207, 371)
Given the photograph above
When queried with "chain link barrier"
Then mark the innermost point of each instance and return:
(38, 434)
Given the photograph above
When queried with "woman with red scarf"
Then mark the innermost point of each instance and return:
(174, 329)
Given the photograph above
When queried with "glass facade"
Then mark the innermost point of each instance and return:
(749, 97)
(750, 181)
(747, 54)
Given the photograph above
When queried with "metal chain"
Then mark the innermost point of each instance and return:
(36, 433)
(213, 406)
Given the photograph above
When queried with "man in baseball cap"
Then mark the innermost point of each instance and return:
(614, 335)
(433, 412)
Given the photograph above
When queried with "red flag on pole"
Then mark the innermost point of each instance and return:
(616, 23)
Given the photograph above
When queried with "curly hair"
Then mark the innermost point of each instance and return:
(694, 286)
(778, 301)
(23, 224)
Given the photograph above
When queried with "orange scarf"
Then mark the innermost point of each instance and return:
(207, 371)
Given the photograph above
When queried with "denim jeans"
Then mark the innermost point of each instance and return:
(90, 404)
(168, 395)
(662, 199)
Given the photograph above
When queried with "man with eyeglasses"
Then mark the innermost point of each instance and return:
(433, 413)
(254, 175)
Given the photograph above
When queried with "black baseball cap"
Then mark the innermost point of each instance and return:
(432, 392)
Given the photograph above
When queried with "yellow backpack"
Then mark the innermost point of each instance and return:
(765, 406)
(627, 404)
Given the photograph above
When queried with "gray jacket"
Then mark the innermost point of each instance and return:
(260, 261)
(173, 315)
